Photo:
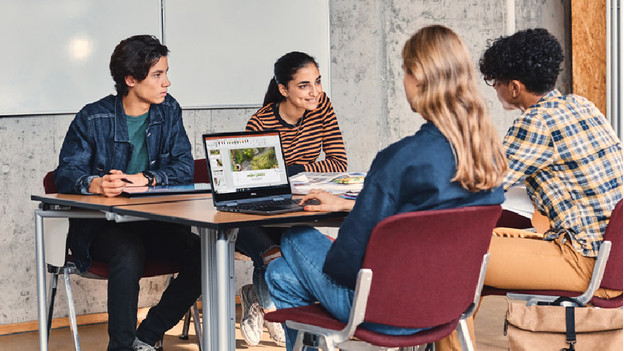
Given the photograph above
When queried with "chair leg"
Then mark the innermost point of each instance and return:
(72, 310)
(197, 325)
(299, 342)
(53, 286)
(321, 342)
(464, 335)
(185, 327)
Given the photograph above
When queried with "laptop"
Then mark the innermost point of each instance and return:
(181, 189)
(248, 173)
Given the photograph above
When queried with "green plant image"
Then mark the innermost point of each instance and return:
(251, 159)
(266, 160)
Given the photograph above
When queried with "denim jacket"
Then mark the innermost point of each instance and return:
(413, 174)
(98, 138)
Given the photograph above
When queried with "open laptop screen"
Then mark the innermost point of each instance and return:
(246, 165)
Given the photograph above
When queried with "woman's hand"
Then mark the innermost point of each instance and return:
(109, 185)
(328, 202)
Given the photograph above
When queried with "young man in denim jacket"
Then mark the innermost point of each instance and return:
(135, 138)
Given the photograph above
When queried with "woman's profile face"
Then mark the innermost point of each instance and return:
(410, 84)
(305, 89)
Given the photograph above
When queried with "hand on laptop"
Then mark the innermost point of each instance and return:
(328, 202)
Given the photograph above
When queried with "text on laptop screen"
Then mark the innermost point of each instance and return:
(241, 162)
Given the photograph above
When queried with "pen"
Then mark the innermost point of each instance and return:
(109, 173)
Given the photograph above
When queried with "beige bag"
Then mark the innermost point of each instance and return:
(543, 328)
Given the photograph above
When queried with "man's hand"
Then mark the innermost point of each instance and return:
(328, 202)
(109, 185)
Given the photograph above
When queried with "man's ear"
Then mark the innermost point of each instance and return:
(283, 90)
(516, 87)
(130, 81)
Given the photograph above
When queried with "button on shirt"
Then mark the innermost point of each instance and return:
(571, 161)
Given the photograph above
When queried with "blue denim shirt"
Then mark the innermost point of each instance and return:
(413, 174)
(98, 138)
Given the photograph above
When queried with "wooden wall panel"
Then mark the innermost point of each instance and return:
(589, 51)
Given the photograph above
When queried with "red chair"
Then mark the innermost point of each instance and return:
(510, 219)
(607, 272)
(98, 270)
(201, 171)
(421, 269)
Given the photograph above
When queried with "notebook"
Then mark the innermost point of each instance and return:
(248, 173)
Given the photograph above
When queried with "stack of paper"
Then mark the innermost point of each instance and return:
(335, 182)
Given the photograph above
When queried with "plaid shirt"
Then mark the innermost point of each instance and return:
(570, 159)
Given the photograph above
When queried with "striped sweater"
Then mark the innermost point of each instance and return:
(318, 130)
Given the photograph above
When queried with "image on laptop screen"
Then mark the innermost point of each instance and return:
(246, 165)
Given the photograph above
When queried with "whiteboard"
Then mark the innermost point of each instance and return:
(223, 51)
(55, 54)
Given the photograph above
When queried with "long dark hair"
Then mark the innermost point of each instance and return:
(283, 71)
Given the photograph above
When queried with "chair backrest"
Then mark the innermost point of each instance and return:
(612, 278)
(510, 219)
(426, 265)
(48, 183)
(201, 172)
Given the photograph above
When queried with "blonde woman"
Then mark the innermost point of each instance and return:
(454, 160)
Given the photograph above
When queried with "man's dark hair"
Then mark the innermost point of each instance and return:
(531, 56)
(134, 57)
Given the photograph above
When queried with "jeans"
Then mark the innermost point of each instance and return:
(126, 247)
(254, 242)
(297, 279)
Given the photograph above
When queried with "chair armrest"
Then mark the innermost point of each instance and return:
(356, 317)
(594, 283)
(477, 298)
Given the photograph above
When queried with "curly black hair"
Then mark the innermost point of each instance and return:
(134, 57)
(531, 56)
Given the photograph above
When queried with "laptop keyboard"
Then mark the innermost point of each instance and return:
(260, 205)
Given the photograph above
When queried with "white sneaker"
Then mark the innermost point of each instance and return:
(276, 331)
(251, 317)
(139, 345)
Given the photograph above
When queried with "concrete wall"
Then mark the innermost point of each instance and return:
(367, 93)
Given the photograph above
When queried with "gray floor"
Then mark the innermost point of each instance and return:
(488, 328)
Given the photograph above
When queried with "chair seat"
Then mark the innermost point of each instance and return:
(595, 301)
(99, 269)
(318, 316)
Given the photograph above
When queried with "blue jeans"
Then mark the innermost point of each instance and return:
(254, 242)
(297, 279)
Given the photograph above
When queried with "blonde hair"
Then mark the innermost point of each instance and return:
(446, 94)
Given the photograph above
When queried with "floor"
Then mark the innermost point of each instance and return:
(488, 326)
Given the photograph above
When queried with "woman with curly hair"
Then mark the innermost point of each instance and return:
(456, 159)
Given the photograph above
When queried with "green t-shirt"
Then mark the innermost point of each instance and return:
(137, 126)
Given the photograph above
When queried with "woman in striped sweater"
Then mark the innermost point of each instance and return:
(296, 106)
